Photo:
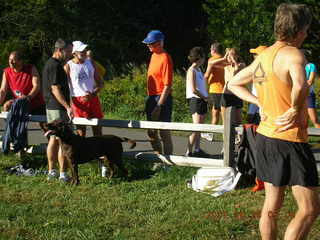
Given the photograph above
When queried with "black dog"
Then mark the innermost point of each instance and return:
(77, 149)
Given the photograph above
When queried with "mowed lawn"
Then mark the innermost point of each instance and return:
(152, 205)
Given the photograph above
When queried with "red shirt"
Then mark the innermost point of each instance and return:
(160, 73)
(22, 81)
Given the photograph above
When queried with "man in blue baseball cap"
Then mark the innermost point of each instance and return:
(159, 101)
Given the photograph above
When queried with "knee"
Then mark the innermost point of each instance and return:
(311, 211)
(53, 143)
(271, 214)
(271, 211)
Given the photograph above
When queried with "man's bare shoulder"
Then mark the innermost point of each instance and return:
(291, 55)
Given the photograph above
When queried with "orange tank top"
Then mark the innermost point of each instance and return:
(275, 98)
(216, 77)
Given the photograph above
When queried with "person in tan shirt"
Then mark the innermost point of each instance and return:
(284, 156)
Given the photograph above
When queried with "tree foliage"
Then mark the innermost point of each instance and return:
(246, 24)
(114, 29)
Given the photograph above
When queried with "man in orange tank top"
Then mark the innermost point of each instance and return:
(214, 76)
(284, 157)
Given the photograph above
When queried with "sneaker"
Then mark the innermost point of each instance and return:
(52, 176)
(207, 136)
(65, 179)
(200, 153)
(104, 171)
(190, 154)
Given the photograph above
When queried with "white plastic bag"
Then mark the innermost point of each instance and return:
(215, 181)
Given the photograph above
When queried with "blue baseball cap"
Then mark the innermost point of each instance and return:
(153, 36)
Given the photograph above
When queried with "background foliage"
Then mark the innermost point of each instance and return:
(114, 30)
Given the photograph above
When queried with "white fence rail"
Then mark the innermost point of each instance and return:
(228, 131)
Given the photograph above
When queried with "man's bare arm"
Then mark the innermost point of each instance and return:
(218, 63)
(312, 78)
(3, 89)
(56, 91)
(237, 85)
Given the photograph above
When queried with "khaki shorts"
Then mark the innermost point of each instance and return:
(57, 115)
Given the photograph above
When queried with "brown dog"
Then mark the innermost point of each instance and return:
(78, 150)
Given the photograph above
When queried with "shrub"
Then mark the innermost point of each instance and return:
(125, 96)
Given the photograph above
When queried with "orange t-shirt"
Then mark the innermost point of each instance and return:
(275, 98)
(216, 77)
(160, 73)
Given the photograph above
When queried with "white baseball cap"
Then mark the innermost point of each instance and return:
(78, 46)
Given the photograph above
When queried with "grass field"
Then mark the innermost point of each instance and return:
(153, 205)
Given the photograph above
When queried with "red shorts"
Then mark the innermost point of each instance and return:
(87, 109)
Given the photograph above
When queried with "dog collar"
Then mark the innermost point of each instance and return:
(48, 133)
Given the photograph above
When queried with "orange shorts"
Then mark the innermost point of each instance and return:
(87, 109)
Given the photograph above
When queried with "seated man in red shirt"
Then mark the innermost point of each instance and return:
(23, 81)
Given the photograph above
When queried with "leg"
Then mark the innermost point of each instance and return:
(194, 138)
(81, 130)
(110, 165)
(272, 204)
(63, 162)
(222, 110)
(97, 130)
(308, 210)
(154, 140)
(76, 170)
(215, 114)
(167, 142)
(312, 112)
(52, 152)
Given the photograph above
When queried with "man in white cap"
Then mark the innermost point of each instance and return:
(159, 101)
(84, 83)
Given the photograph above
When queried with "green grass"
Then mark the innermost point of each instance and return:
(153, 205)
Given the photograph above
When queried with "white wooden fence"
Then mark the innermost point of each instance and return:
(228, 130)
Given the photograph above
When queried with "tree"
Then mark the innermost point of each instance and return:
(246, 24)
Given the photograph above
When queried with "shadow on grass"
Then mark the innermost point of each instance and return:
(34, 161)
(139, 170)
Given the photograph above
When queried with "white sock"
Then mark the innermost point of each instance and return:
(52, 171)
(104, 168)
(63, 175)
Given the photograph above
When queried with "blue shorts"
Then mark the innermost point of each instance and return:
(166, 108)
(253, 109)
(311, 101)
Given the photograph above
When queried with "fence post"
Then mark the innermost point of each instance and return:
(229, 137)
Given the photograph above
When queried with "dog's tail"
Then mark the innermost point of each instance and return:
(131, 142)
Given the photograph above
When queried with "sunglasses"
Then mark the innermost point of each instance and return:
(153, 44)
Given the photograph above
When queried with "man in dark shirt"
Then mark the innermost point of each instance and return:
(57, 97)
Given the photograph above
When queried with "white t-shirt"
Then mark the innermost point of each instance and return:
(81, 78)
(201, 85)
